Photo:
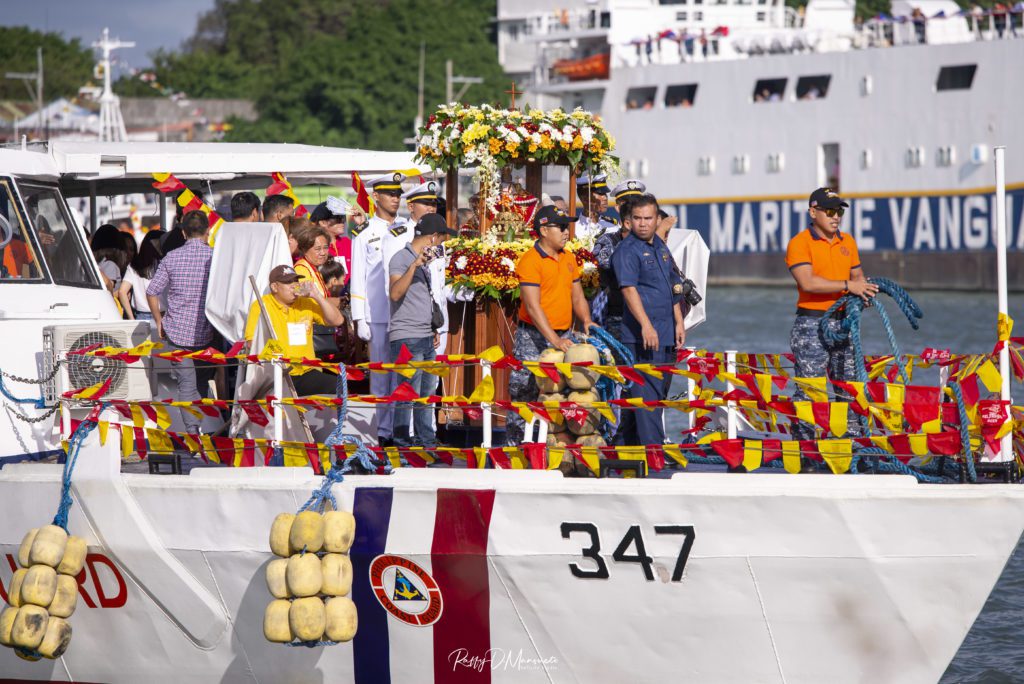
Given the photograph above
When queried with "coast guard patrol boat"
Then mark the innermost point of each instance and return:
(732, 111)
(505, 575)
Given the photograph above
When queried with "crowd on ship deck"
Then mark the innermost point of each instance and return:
(361, 287)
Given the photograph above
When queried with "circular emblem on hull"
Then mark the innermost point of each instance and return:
(406, 590)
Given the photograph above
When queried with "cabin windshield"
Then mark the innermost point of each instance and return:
(61, 246)
(19, 262)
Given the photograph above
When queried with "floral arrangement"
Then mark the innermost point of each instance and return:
(491, 138)
(486, 266)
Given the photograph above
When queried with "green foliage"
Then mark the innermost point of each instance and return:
(67, 65)
(330, 73)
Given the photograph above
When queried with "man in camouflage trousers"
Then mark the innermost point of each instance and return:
(550, 290)
(825, 264)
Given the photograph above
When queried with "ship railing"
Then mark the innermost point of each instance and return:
(562, 22)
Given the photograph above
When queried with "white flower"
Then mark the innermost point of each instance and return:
(568, 132)
(587, 133)
(508, 263)
(461, 262)
(589, 267)
(535, 138)
(522, 132)
(514, 137)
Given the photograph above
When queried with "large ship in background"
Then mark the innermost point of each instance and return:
(731, 111)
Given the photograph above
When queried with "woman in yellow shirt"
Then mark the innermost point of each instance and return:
(293, 308)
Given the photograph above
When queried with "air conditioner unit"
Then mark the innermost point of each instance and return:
(128, 382)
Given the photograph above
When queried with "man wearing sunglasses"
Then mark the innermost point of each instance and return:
(825, 264)
(550, 289)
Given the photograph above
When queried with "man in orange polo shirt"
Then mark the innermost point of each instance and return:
(826, 265)
(550, 289)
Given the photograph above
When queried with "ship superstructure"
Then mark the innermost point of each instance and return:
(733, 110)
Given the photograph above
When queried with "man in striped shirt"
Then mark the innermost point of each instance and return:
(183, 276)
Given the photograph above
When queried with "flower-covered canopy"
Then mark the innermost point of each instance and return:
(459, 135)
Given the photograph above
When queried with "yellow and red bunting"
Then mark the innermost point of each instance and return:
(363, 198)
(167, 183)
(281, 186)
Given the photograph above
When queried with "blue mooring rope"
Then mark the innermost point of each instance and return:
(39, 403)
(837, 330)
(322, 494)
(74, 447)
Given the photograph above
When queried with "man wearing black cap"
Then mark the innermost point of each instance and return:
(825, 264)
(550, 291)
(293, 308)
(415, 321)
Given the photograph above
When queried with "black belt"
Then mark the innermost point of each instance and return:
(527, 326)
(813, 313)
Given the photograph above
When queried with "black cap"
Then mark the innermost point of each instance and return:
(551, 216)
(826, 198)
(432, 224)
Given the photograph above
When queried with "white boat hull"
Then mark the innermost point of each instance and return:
(788, 579)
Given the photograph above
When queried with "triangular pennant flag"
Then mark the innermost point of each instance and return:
(838, 454)
(838, 416)
(791, 456)
(751, 455)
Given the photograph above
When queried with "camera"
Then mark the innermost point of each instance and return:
(433, 252)
(690, 293)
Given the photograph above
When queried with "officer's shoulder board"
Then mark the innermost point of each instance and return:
(356, 230)
(399, 230)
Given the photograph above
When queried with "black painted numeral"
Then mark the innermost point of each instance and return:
(593, 552)
(633, 537)
(684, 552)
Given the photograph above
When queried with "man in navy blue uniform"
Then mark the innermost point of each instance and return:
(652, 324)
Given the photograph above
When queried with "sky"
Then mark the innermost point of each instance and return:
(149, 24)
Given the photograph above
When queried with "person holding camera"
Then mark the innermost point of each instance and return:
(415, 321)
(652, 324)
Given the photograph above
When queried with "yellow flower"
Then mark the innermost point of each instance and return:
(532, 148)
(495, 145)
(511, 146)
(577, 143)
(565, 144)
(546, 143)
(536, 114)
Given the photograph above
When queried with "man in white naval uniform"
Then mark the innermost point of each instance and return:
(371, 308)
(420, 201)
(594, 216)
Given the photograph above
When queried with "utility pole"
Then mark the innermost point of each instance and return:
(37, 76)
(450, 81)
(419, 101)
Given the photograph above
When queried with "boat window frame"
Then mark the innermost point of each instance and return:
(681, 89)
(805, 83)
(770, 84)
(642, 91)
(72, 226)
(29, 232)
(954, 74)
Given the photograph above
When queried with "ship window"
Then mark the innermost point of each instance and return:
(761, 16)
(705, 166)
(680, 16)
(672, 2)
(956, 77)
(18, 261)
(641, 98)
(769, 90)
(812, 87)
(681, 95)
(62, 247)
(606, 19)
